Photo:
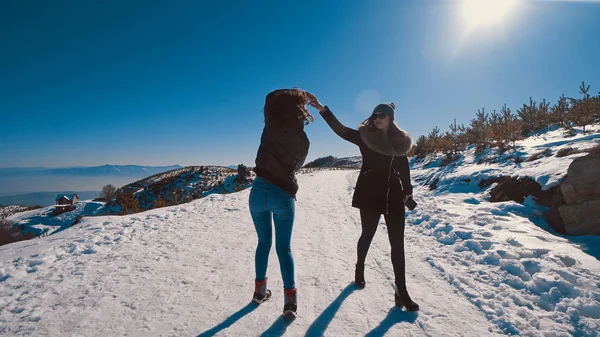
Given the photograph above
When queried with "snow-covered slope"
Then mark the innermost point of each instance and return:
(535, 157)
(185, 184)
(476, 269)
(6, 211)
(42, 222)
(188, 183)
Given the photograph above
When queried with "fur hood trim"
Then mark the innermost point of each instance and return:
(397, 145)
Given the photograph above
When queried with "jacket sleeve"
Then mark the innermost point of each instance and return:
(345, 132)
(405, 176)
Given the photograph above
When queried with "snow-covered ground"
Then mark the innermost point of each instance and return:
(6, 211)
(41, 222)
(476, 269)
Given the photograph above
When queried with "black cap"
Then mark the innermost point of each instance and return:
(386, 108)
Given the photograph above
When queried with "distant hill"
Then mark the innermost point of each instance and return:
(43, 198)
(178, 186)
(330, 161)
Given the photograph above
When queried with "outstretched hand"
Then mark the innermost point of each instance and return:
(314, 102)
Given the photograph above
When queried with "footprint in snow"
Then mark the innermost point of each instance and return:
(531, 266)
(568, 261)
(34, 263)
(514, 243)
(472, 201)
(485, 234)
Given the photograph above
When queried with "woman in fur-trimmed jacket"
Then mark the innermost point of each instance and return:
(383, 186)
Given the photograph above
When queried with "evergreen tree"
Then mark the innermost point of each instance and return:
(582, 111)
(596, 107)
(560, 112)
(457, 137)
(445, 144)
(434, 139)
(511, 126)
(478, 132)
(532, 119)
(495, 127)
(544, 113)
(421, 148)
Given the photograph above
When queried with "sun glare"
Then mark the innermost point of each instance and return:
(478, 13)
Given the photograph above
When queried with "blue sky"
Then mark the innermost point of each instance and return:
(87, 83)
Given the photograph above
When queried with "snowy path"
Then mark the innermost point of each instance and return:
(188, 270)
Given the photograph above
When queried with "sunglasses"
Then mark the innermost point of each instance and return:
(378, 116)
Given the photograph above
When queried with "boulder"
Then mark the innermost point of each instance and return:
(582, 218)
(581, 191)
(513, 188)
(583, 179)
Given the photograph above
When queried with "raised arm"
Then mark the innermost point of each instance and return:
(341, 130)
(345, 132)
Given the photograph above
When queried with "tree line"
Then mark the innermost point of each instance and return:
(504, 128)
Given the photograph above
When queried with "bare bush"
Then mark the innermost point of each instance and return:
(159, 203)
(128, 203)
(108, 192)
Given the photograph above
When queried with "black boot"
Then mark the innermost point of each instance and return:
(402, 299)
(359, 276)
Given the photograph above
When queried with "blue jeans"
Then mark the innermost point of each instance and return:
(266, 201)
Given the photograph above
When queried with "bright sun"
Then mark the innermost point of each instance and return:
(477, 13)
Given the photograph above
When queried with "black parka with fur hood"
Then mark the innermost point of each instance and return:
(384, 177)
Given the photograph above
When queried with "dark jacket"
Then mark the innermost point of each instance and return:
(384, 177)
(282, 152)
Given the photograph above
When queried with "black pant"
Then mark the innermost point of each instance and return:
(395, 225)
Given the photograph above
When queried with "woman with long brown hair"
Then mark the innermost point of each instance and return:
(283, 149)
(383, 186)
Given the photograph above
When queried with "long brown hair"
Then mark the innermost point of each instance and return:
(287, 107)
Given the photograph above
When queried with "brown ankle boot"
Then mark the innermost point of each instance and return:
(261, 293)
(290, 303)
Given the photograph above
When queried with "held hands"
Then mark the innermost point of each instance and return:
(314, 102)
(406, 197)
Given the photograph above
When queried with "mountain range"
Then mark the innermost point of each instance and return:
(103, 170)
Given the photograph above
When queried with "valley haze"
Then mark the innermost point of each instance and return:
(28, 182)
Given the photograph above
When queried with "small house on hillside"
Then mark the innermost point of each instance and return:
(65, 203)
(66, 199)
